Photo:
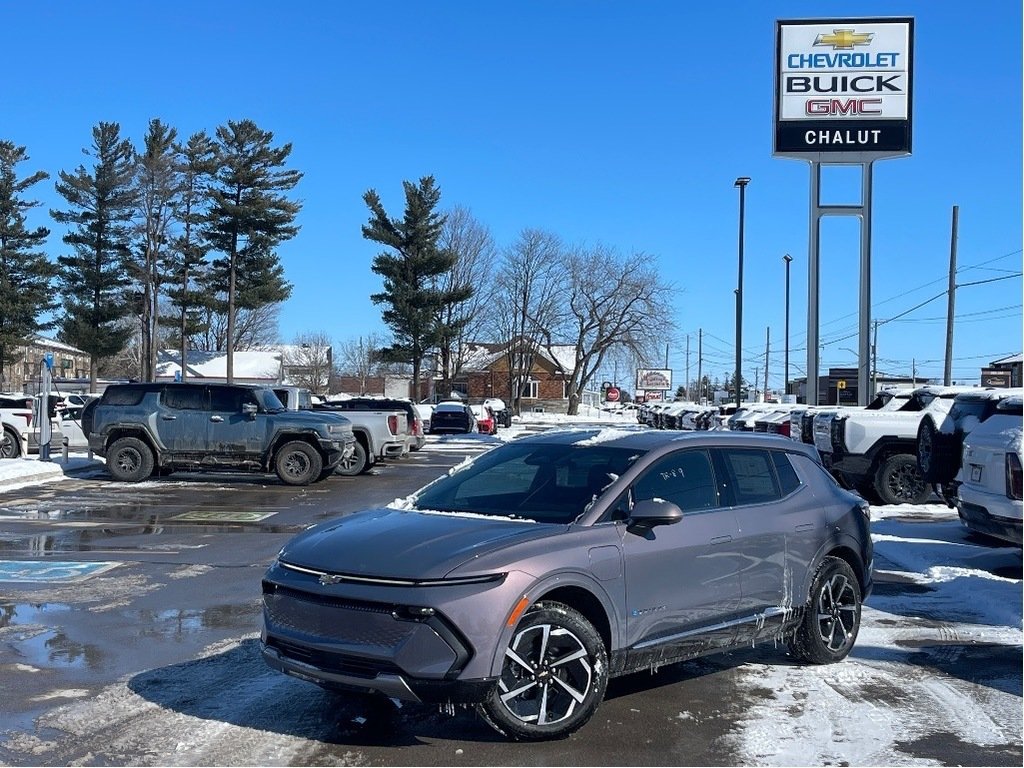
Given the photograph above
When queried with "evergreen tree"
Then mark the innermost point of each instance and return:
(94, 278)
(248, 217)
(158, 181)
(186, 260)
(411, 293)
(26, 275)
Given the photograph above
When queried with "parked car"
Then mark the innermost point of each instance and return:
(142, 429)
(16, 415)
(940, 439)
(485, 421)
(414, 434)
(527, 578)
(988, 484)
(426, 412)
(875, 451)
(452, 417)
(502, 414)
(381, 433)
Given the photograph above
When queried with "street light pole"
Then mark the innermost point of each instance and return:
(785, 381)
(741, 183)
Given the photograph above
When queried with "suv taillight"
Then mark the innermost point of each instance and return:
(417, 427)
(784, 427)
(393, 424)
(1013, 477)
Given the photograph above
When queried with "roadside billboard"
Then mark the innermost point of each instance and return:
(843, 88)
(654, 378)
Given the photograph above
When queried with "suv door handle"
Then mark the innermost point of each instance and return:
(721, 539)
(217, 418)
(168, 416)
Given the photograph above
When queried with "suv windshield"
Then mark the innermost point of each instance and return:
(549, 483)
(268, 401)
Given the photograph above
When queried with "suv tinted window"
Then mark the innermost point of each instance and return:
(230, 399)
(184, 398)
(751, 476)
(123, 395)
(685, 478)
(789, 481)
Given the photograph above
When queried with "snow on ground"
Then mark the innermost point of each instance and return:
(19, 473)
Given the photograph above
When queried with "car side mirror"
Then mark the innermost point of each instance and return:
(648, 513)
(249, 409)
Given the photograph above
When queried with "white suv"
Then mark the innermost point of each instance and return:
(989, 491)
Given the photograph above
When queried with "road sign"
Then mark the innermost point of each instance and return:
(612, 395)
(841, 384)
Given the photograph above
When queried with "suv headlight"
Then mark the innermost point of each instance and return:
(338, 429)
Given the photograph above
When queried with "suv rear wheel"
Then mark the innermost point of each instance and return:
(129, 460)
(938, 454)
(297, 463)
(832, 618)
(553, 676)
(899, 481)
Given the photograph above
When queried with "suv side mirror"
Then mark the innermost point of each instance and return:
(249, 409)
(648, 513)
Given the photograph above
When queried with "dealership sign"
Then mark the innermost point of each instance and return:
(843, 88)
(653, 378)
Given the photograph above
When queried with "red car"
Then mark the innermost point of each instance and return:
(485, 421)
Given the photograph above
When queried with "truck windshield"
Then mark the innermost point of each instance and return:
(269, 402)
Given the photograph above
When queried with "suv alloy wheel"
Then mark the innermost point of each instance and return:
(553, 677)
(297, 463)
(129, 460)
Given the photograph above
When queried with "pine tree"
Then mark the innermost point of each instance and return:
(94, 278)
(413, 302)
(158, 181)
(248, 217)
(186, 260)
(26, 275)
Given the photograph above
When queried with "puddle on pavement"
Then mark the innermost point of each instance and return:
(50, 647)
(43, 645)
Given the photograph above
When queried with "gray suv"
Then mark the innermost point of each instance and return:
(524, 580)
(147, 429)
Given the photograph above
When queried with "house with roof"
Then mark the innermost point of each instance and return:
(486, 373)
(254, 366)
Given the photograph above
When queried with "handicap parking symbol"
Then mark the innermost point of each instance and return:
(49, 571)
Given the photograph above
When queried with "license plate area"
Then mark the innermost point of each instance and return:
(975, 473)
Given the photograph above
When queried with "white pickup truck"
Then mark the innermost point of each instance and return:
(379, 434)
(875, 451)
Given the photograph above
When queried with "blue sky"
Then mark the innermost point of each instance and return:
(616, 123)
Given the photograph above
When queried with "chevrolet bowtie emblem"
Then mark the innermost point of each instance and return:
(844, 39)
(330, 578)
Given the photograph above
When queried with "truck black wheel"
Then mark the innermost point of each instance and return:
(355, 464)
(297, 463)
(938, 453)
(129, 460)
(831, 619)
(10, 445)
(898, 481)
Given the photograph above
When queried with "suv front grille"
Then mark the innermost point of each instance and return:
(339, 663)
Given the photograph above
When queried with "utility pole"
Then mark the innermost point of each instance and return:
(756, 377)
(688, 367)
(913, 372)
(700, 364)
(785, 379)
(767, 342)
(947, 375)
(874, 363)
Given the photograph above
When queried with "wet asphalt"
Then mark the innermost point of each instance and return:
(190, 551)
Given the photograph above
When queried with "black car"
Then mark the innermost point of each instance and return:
(452, 417)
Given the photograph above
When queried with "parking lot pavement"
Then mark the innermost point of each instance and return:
(129, 636)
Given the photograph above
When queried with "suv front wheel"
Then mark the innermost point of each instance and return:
(298, 463)
(129, 460)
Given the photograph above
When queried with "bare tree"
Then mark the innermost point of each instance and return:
(460, 322)
(310, 360)
(254, 329)
(524, 304)
(360, 358)
(610, 304)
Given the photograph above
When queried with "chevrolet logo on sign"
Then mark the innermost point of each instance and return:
(844, 39)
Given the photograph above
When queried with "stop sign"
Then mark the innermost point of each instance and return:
(612, 395)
